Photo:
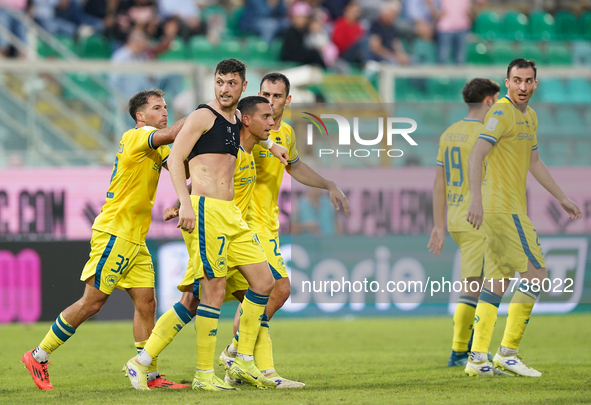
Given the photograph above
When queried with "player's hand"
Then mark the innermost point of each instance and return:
(338, 197)
(280, 152)
(572, 208)
(186, 218)
(170, 213)
(475, 214)
(436, 241)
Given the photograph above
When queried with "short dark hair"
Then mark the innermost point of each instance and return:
(231, 66)
(476, 90)
(522, 63)
(141, 99)
(249, 105)
(277, 77)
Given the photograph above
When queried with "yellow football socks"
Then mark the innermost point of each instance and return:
(263, 348)
(463, 321)
(485, 318)
(251, 314)
(167, 327)
(520, 309)
(57, 335)
(206, 325)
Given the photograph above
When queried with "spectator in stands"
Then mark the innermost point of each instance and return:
(453, 26)
(335, 8)
(384, 42)
(188, 13)
(105, 10)
(268, 18)
(295, 48)
(349, 36)
(138, 49)
(420, 13)
(316, 215)
(12, 24)
(319, 39)
(132, 14)
(45, 16)
(72, 11)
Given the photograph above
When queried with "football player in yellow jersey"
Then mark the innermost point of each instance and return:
(255, 128)
(509, 142)
(119, 257)
(263, 213)
(451, 186)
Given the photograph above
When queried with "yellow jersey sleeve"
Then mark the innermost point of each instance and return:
(498, 122)
(127, 212)
(507, 164)
(263, 211)
(455, 146)
(244, 180)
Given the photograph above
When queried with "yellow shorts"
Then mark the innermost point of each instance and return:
(221, 239)
(235, 281)
(471, 245)
(510, 242)
(116, 262)
(270, 245)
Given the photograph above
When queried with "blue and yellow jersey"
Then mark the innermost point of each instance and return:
(263, 212)
(513, 135)
(245, 177)
(455, 146)
(130, 197)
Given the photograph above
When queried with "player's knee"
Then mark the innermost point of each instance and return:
(93, 308)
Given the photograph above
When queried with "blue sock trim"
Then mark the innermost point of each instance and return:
(62, 323)
(182, 313)
(466, 299)
(526, 289)
(255, 298)
(490, 297)
(208, 312)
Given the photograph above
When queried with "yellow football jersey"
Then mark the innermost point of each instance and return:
(513, 135)
(130, 197)
(263, 212)
(455, 146)
(245, 177)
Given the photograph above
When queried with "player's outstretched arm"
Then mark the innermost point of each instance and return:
(438, 233)
(539, 170)
(475, 212)
(310, 177)
(196, 124)
(167, 135)
(280, 152)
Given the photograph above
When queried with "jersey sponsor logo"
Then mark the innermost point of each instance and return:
(278, 140)
(525, 136)
(498, 112)
(264, 154)
(248, 180)
(491, 124)
(243, 168)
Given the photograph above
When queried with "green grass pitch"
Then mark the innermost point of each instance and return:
(342, 361)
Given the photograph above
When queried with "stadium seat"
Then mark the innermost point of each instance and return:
(425, 52)
(515, 25)
(567, 25)
(257, 50)
(176, 51)
(85, 82)
(585, 25)
(552, 91)
(530, 50)
(570, 121)
(547, 127)
(542, 25)
(201, 50)
(479, 54)
(558, 53)
(579, 90)
(94, 47)
(503, 53)
(233, 23)
(487, 25)
(230, 48)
